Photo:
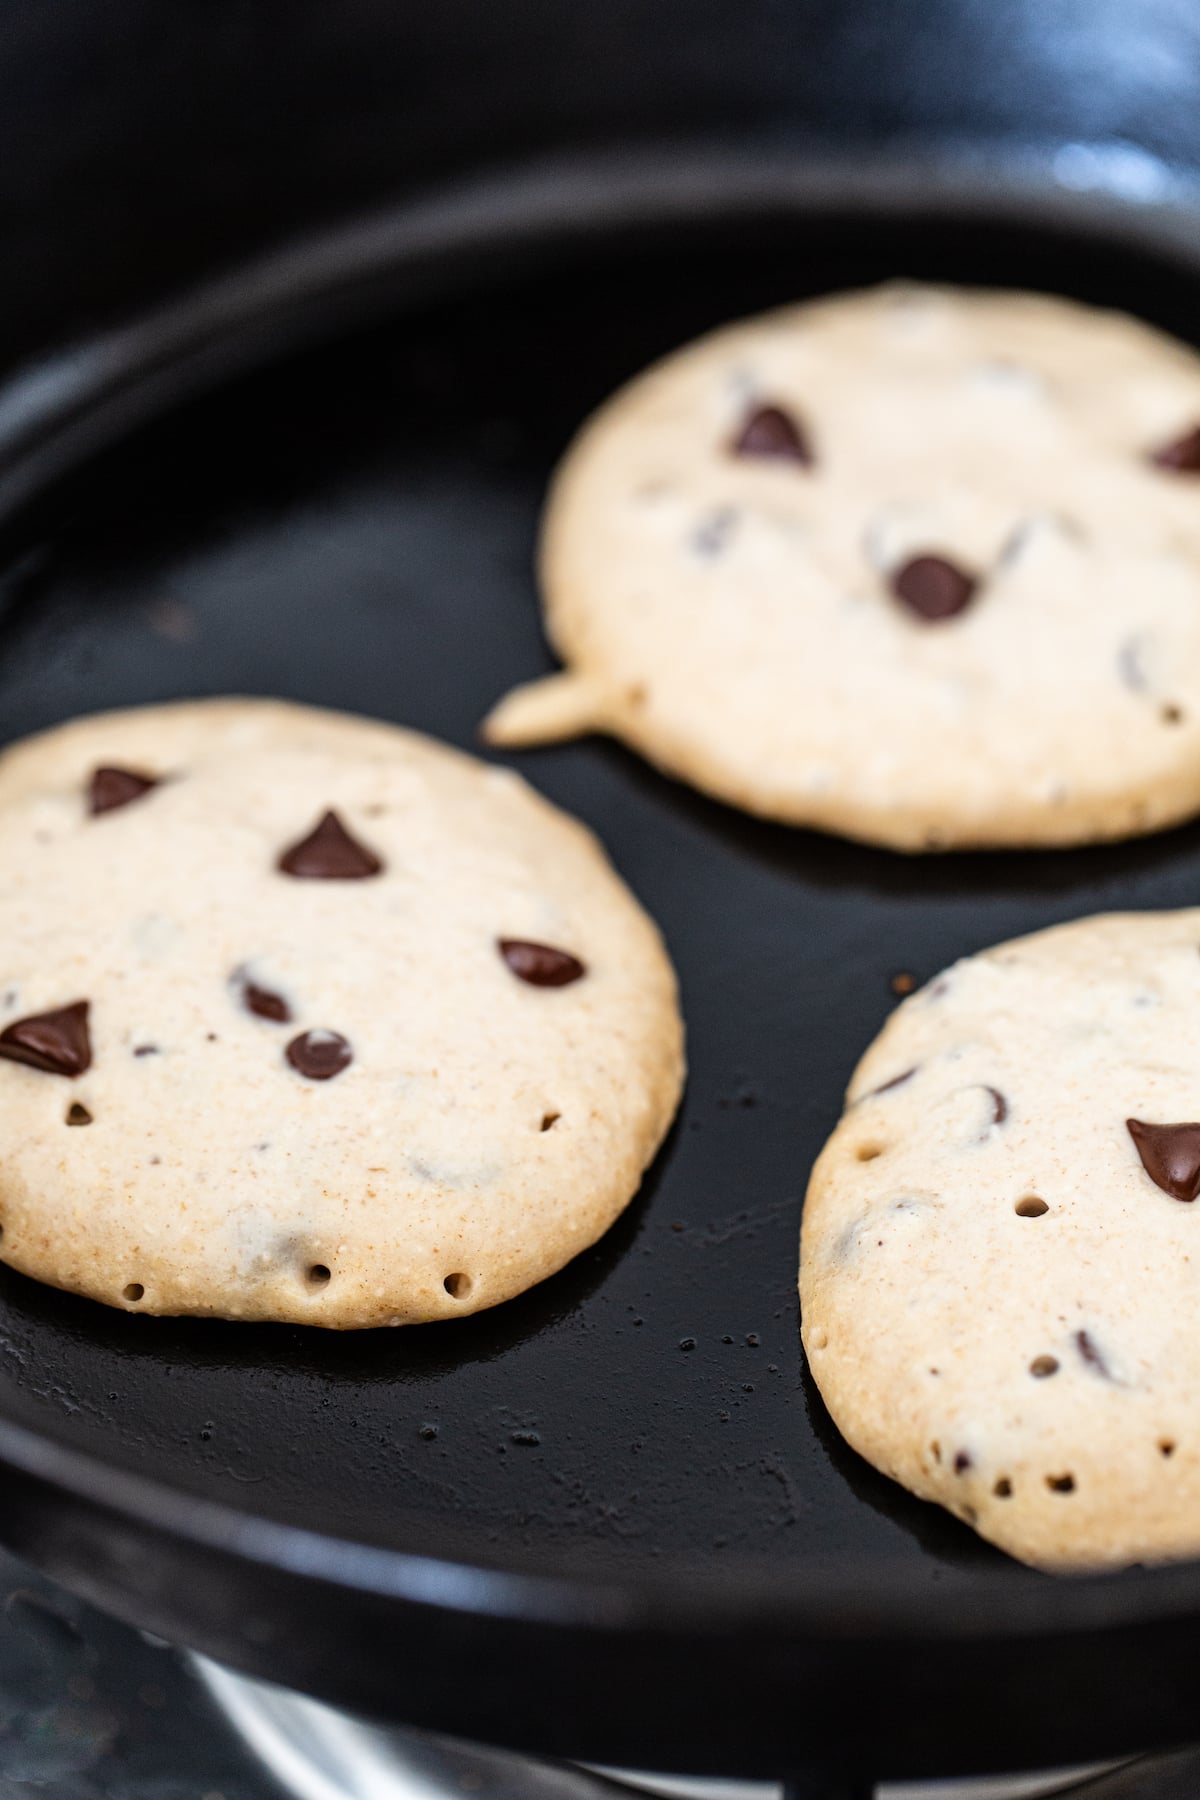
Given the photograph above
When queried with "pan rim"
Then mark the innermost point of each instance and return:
(816, 1604)
(60, 408)
(48, 415)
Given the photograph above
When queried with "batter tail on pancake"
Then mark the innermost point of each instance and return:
(565, 705)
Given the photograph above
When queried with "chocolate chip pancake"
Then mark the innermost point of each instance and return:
(919, 566)
(308, 1018)
(1000, 1257)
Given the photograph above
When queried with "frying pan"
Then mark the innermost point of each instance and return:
(302, 304)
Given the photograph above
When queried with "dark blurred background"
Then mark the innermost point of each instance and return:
(144, 143)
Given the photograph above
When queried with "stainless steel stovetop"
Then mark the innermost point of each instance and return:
(93, 1710)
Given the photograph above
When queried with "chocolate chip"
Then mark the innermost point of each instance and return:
(110, 788)
(962, 1462)
(56, 1042)
(1041, 1366)
(329, 853)
(540, 964)
(999, 1105)
(932, 587)
(319, 1055)
(1182, 456)
(1170, 1156)
(769, 431)
(886, 1087)
(1090, 1354)
(260, 1000)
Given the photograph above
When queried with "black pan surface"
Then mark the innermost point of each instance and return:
(653, 1545)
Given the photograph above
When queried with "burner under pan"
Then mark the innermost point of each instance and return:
(321, 1754)
(94, 1710)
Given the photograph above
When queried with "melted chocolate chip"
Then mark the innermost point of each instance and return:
(110, 788)
(319, 1055)
(540, 964)
(1090, 1354)
(260, 1000)
(329, 853)
(962, 1462)
(885, 1087)
(932, 587)
(999, 1105)
(56, 1042)
(769, 431)
(1182, 457)
(1170, 1156)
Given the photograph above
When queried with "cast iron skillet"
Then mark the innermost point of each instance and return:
(611, 1519)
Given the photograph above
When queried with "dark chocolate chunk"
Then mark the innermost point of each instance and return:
(110, 788)
(260, 1000)
(1090, 1354)
(999, 1105)
(932, 587)
(1182, 456)
(56, 1042)
(540, 964)
(771, 432)
(1170, 1156)
(319, 1055)
(329, 853)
